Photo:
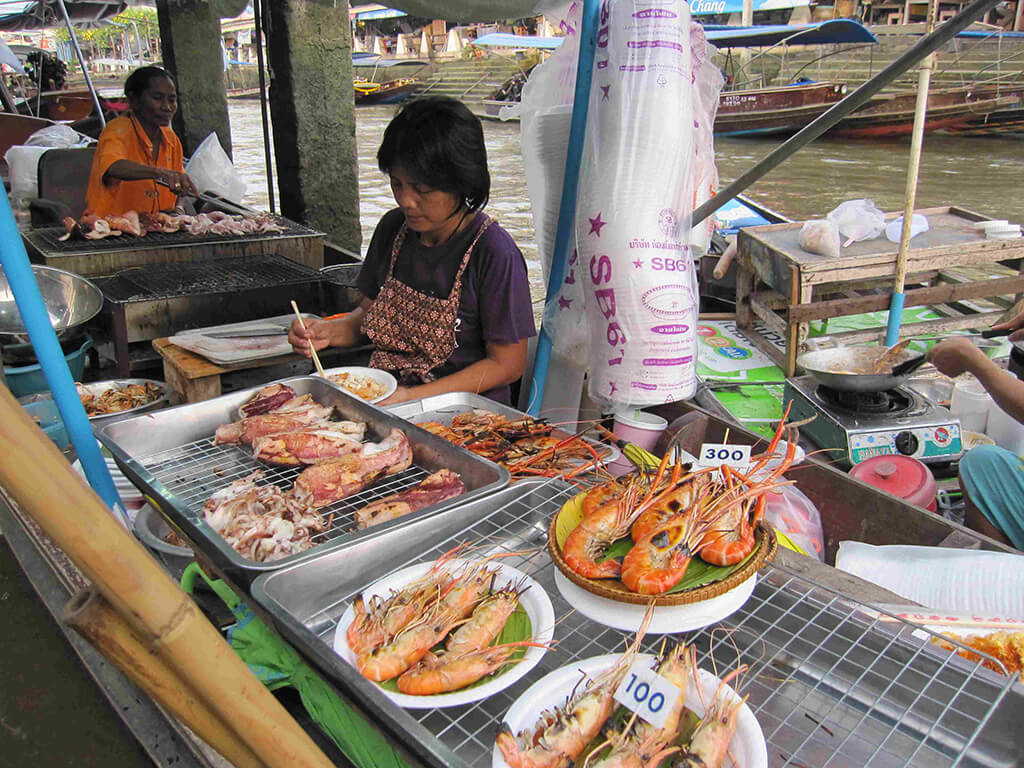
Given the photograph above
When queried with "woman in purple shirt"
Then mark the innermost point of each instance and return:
(446, 300)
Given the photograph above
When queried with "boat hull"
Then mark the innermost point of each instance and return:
(766, 111)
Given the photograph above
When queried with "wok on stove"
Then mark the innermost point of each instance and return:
(849, 369)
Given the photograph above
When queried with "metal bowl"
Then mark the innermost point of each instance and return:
(152, 529)
(70, 301)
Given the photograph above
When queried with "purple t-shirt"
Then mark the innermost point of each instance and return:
(495, 304)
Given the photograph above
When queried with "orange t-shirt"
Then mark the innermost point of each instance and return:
(124, 139)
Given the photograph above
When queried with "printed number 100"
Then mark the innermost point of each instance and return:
(641, 693)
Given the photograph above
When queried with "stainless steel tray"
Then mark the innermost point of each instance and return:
(830, 684)
(170, 454)
(443, 408)
(99, 387)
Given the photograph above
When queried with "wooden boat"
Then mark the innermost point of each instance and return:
(389, 92)
(892, 115)
(785, 109)
(1003, 121)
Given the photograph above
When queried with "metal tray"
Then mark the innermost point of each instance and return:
(99, 387)
(170, 455)
(442, 408)
(830, 684)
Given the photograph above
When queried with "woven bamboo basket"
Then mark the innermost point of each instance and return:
(765, 548)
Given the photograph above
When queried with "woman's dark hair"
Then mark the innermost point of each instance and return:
(438, 142)
(139, 80)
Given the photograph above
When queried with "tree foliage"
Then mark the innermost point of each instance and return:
(110, 34)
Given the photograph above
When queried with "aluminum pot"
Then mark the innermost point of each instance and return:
(848, 368)
(70, 301)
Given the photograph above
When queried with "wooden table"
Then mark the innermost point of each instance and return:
(192, 378)
(788, 287)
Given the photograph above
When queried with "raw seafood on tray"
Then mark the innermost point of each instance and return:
(262, 521)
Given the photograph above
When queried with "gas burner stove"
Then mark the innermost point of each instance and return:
(860, 425)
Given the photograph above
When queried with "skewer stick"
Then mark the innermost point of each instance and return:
(312, 349)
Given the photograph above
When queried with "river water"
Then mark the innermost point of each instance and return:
(984, 174)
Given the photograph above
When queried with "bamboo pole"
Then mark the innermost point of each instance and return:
(45, 487)
(892, 333)
(93, 618)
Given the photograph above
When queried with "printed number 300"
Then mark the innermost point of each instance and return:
(711, 453)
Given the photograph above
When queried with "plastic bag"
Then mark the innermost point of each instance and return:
(211, 170)
(60, 136)
(894, 230)
(23, 163)
(858, 220)
(820, 236)
(789, 510)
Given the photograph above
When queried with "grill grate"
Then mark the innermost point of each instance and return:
(47, 239)
(223, 275)
(831, 682)
(193, 472)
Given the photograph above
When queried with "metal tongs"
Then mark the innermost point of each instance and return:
(212, 199)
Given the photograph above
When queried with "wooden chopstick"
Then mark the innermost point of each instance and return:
(312, 349)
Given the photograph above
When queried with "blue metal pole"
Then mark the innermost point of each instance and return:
(51, 358)
(567, 207)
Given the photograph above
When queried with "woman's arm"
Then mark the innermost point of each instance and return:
(958, 355)
(346, 331)
(128, 170)
(503, 364)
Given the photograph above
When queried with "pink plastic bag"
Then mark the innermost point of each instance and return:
(790, 511)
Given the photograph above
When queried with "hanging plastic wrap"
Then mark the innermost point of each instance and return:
(639, 179)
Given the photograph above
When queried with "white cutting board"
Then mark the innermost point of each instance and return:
(241, 350)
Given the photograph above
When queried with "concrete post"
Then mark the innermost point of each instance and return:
(313, 110)
(190, 39)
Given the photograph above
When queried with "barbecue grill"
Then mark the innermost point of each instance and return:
(163, 299)
(100, 257)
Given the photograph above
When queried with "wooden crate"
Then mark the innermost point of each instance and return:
(788, 287)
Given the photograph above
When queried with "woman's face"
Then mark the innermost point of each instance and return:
(157, 103)
(426, 210)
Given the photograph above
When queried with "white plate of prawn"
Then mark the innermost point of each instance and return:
(533, 599)
(747, 747)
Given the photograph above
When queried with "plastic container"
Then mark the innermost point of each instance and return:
(902, 476)
(1005, 430)
(46, 415)
(639, 427)
(29, 379)
(970, 403)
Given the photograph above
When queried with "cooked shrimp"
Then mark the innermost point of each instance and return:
(452, 671)
(560, 735)
(486, 622)
(390, 660)
(730, 546)
(589, 540)
(710, 742)
(681, 498)
(659, 560)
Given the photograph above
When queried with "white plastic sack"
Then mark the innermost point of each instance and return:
(635, 203)
(23, 163)
(707, 86)
(211, 170)
(60, 136)
(820, 236)
(858, 220)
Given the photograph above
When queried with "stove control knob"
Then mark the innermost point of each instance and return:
(906, 443)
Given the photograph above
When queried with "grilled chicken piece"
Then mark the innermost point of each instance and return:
(310, 446)
(443, 484)
(267, 399)
(335, 479)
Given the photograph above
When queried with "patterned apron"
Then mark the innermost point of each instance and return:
(414, 332)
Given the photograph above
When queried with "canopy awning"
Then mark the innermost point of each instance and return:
(374, 60)
(505, 40)
(44, 14)
(821, 33)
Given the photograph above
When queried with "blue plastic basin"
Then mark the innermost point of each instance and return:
(29, 379)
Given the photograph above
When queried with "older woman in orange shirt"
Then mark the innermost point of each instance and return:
(138, 165)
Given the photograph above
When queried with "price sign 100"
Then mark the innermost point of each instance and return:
(648, 694)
